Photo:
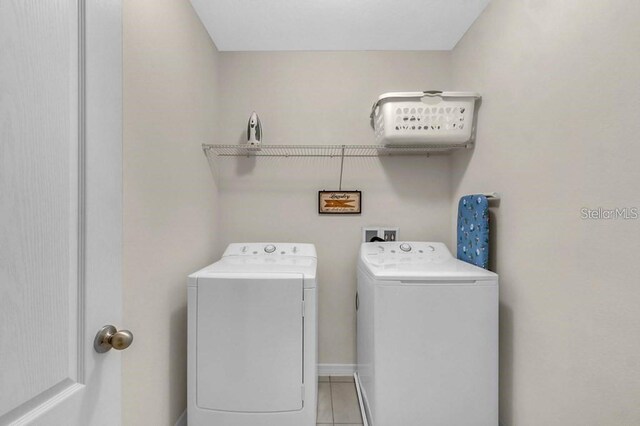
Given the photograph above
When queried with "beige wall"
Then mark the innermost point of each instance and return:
(325, 98)
(170, 98)
(558, 131)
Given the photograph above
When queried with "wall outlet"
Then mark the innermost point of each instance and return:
(386, 233)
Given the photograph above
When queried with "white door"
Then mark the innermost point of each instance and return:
(60, 210)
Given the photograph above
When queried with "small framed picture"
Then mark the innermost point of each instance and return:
(339, 202)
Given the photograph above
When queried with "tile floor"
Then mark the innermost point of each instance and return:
(338, 401)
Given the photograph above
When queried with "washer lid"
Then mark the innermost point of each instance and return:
(407, 260)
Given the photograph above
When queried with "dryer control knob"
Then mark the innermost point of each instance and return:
(405, 247)
(270, 248)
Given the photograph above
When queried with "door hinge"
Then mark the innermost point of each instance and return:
(303, 309)
(302, 393)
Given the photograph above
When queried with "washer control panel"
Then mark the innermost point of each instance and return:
(270, 249)
(404, 252)
(405, 247)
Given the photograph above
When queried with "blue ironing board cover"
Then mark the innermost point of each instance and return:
(473, 230)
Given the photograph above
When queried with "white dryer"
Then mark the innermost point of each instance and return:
(427, 339)
(252, 337)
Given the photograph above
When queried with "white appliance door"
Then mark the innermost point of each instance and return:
(250, 343)
(60, 210)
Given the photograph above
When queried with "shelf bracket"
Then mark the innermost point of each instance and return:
(212, 160)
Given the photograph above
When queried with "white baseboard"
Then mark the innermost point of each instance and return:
(182, 420)
(336, 369)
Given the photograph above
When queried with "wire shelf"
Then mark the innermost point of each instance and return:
(326, 150)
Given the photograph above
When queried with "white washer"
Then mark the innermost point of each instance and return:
(427, 337)
(252, 337)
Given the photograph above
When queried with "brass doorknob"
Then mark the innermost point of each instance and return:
(109, 337)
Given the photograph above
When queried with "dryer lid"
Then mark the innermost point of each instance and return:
(407, 260)
(271, 249)
(250, 260)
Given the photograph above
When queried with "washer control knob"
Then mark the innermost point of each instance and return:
(405, 247)
(431, 248)
(269, 248)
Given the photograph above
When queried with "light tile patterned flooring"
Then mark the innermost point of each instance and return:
(338, 401)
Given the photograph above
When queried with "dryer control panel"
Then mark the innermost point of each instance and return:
(270, 249)
(382, 253)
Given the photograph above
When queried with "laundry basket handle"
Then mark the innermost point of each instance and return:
(430, 93)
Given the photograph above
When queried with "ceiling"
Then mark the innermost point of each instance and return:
(271, 25)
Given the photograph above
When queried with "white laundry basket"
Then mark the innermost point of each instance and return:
(425, 118)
